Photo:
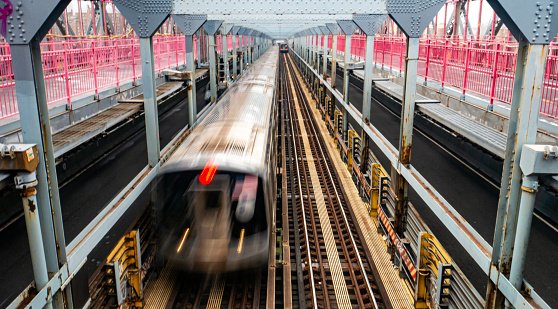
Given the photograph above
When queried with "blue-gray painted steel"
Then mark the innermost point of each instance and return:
(347, 26)
(333, 28)
(150, 100)
(413, 16)
(524, 111)
(33, 225)
(212, 26)
(212, 69)
(189, 24)
(532, 20)
(35, 127)
(32, 19)
(369, 23)
(145, 16)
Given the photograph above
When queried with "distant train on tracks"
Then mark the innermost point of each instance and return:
(216, 195)
(284, 48)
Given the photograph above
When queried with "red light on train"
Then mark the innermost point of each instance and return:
(208, 172)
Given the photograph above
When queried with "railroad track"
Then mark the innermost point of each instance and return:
(332, 269)
(240, 290)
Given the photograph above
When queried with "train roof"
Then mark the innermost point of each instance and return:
(236, 131)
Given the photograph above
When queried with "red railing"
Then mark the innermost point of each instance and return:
(483, 67)
(76, 67)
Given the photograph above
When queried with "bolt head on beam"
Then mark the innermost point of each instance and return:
(26, 20)
(226, 28)
(369, 23)
(333, 28)
(347, 26)
(413, 17)
(189, 24)
(212, 26)
(235, 30)
(532, 20)
(145, 16)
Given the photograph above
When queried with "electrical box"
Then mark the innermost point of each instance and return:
(18, 157)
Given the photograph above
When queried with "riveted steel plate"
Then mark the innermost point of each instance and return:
(347, 26)
(369, 23)
(25, 19)
(145, 16)
(333, 28)
(189, 24)
(279, 7)
(412, 16)
(226, 28)
(211, 26)
(531, 19)
(235, 29)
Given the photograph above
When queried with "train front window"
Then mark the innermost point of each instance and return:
(212, 199)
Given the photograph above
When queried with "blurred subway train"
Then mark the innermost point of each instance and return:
(215, 201)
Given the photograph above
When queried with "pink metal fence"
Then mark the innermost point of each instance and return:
(483, 67)
(76, 67)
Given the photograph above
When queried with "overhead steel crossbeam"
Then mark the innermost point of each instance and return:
(279, 26)
(279, 7)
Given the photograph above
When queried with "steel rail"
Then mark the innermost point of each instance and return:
(331, 177)
(310, 270)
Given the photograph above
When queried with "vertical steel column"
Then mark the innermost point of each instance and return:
(242, 56)
(524, 112)
(225, 55)
(406, 130)
(525, 219)
(346, 72)
(368, 71)
(367, 98)
(235, 69)
(26, 182)
(192, 110)
(150, 100)
(324, 69)
(35, 128)
(334, 61)
(212, 71)
(346, 85)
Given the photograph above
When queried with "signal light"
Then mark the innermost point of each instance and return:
(208, 172)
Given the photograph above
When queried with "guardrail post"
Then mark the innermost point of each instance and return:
(425, 83)
(67, 77)
(494, 75)
(466, 71)
(95, 73)
(133, 47)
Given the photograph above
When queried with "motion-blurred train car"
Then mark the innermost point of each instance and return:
(216, 194)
